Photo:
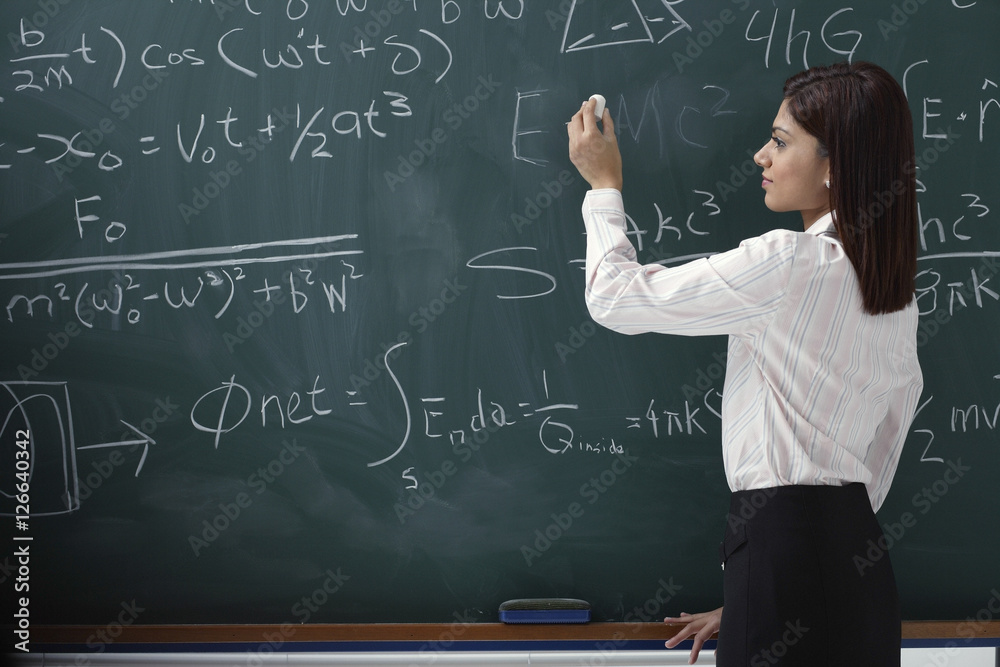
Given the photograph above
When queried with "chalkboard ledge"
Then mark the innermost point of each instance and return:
(443, 637)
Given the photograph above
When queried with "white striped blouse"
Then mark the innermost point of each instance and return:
(817, 391)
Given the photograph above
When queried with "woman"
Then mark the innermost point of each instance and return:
(822, 376)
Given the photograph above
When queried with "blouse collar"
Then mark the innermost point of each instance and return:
(823, 227)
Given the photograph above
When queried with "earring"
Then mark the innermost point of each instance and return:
(828, 185)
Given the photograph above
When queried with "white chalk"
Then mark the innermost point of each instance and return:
(599, 109)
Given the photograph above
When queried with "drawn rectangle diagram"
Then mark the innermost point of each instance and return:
(42, 411)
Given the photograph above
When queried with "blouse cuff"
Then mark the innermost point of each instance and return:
(607, 199)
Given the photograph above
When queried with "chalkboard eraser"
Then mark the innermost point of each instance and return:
(545, 610)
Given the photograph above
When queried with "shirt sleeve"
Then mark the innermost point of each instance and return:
(891, 433)
(729, 293)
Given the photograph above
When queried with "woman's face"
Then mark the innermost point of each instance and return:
(794, 174)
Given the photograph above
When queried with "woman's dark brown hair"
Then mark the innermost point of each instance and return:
(860, 116)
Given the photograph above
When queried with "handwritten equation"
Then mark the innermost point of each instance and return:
(218, 271)
(44, 69)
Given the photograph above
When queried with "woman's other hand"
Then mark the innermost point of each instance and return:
(700, 627)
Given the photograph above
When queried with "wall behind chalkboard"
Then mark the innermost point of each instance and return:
(293, 301)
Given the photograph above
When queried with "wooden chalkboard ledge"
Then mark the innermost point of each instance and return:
(444, 636)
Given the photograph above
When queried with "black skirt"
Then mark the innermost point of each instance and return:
(807, 581)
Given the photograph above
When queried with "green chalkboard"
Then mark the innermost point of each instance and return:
(293, 305)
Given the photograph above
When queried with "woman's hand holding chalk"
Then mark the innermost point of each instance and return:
(599, 109)
(593, 150)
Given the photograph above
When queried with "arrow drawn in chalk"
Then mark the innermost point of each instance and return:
(144, 440)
